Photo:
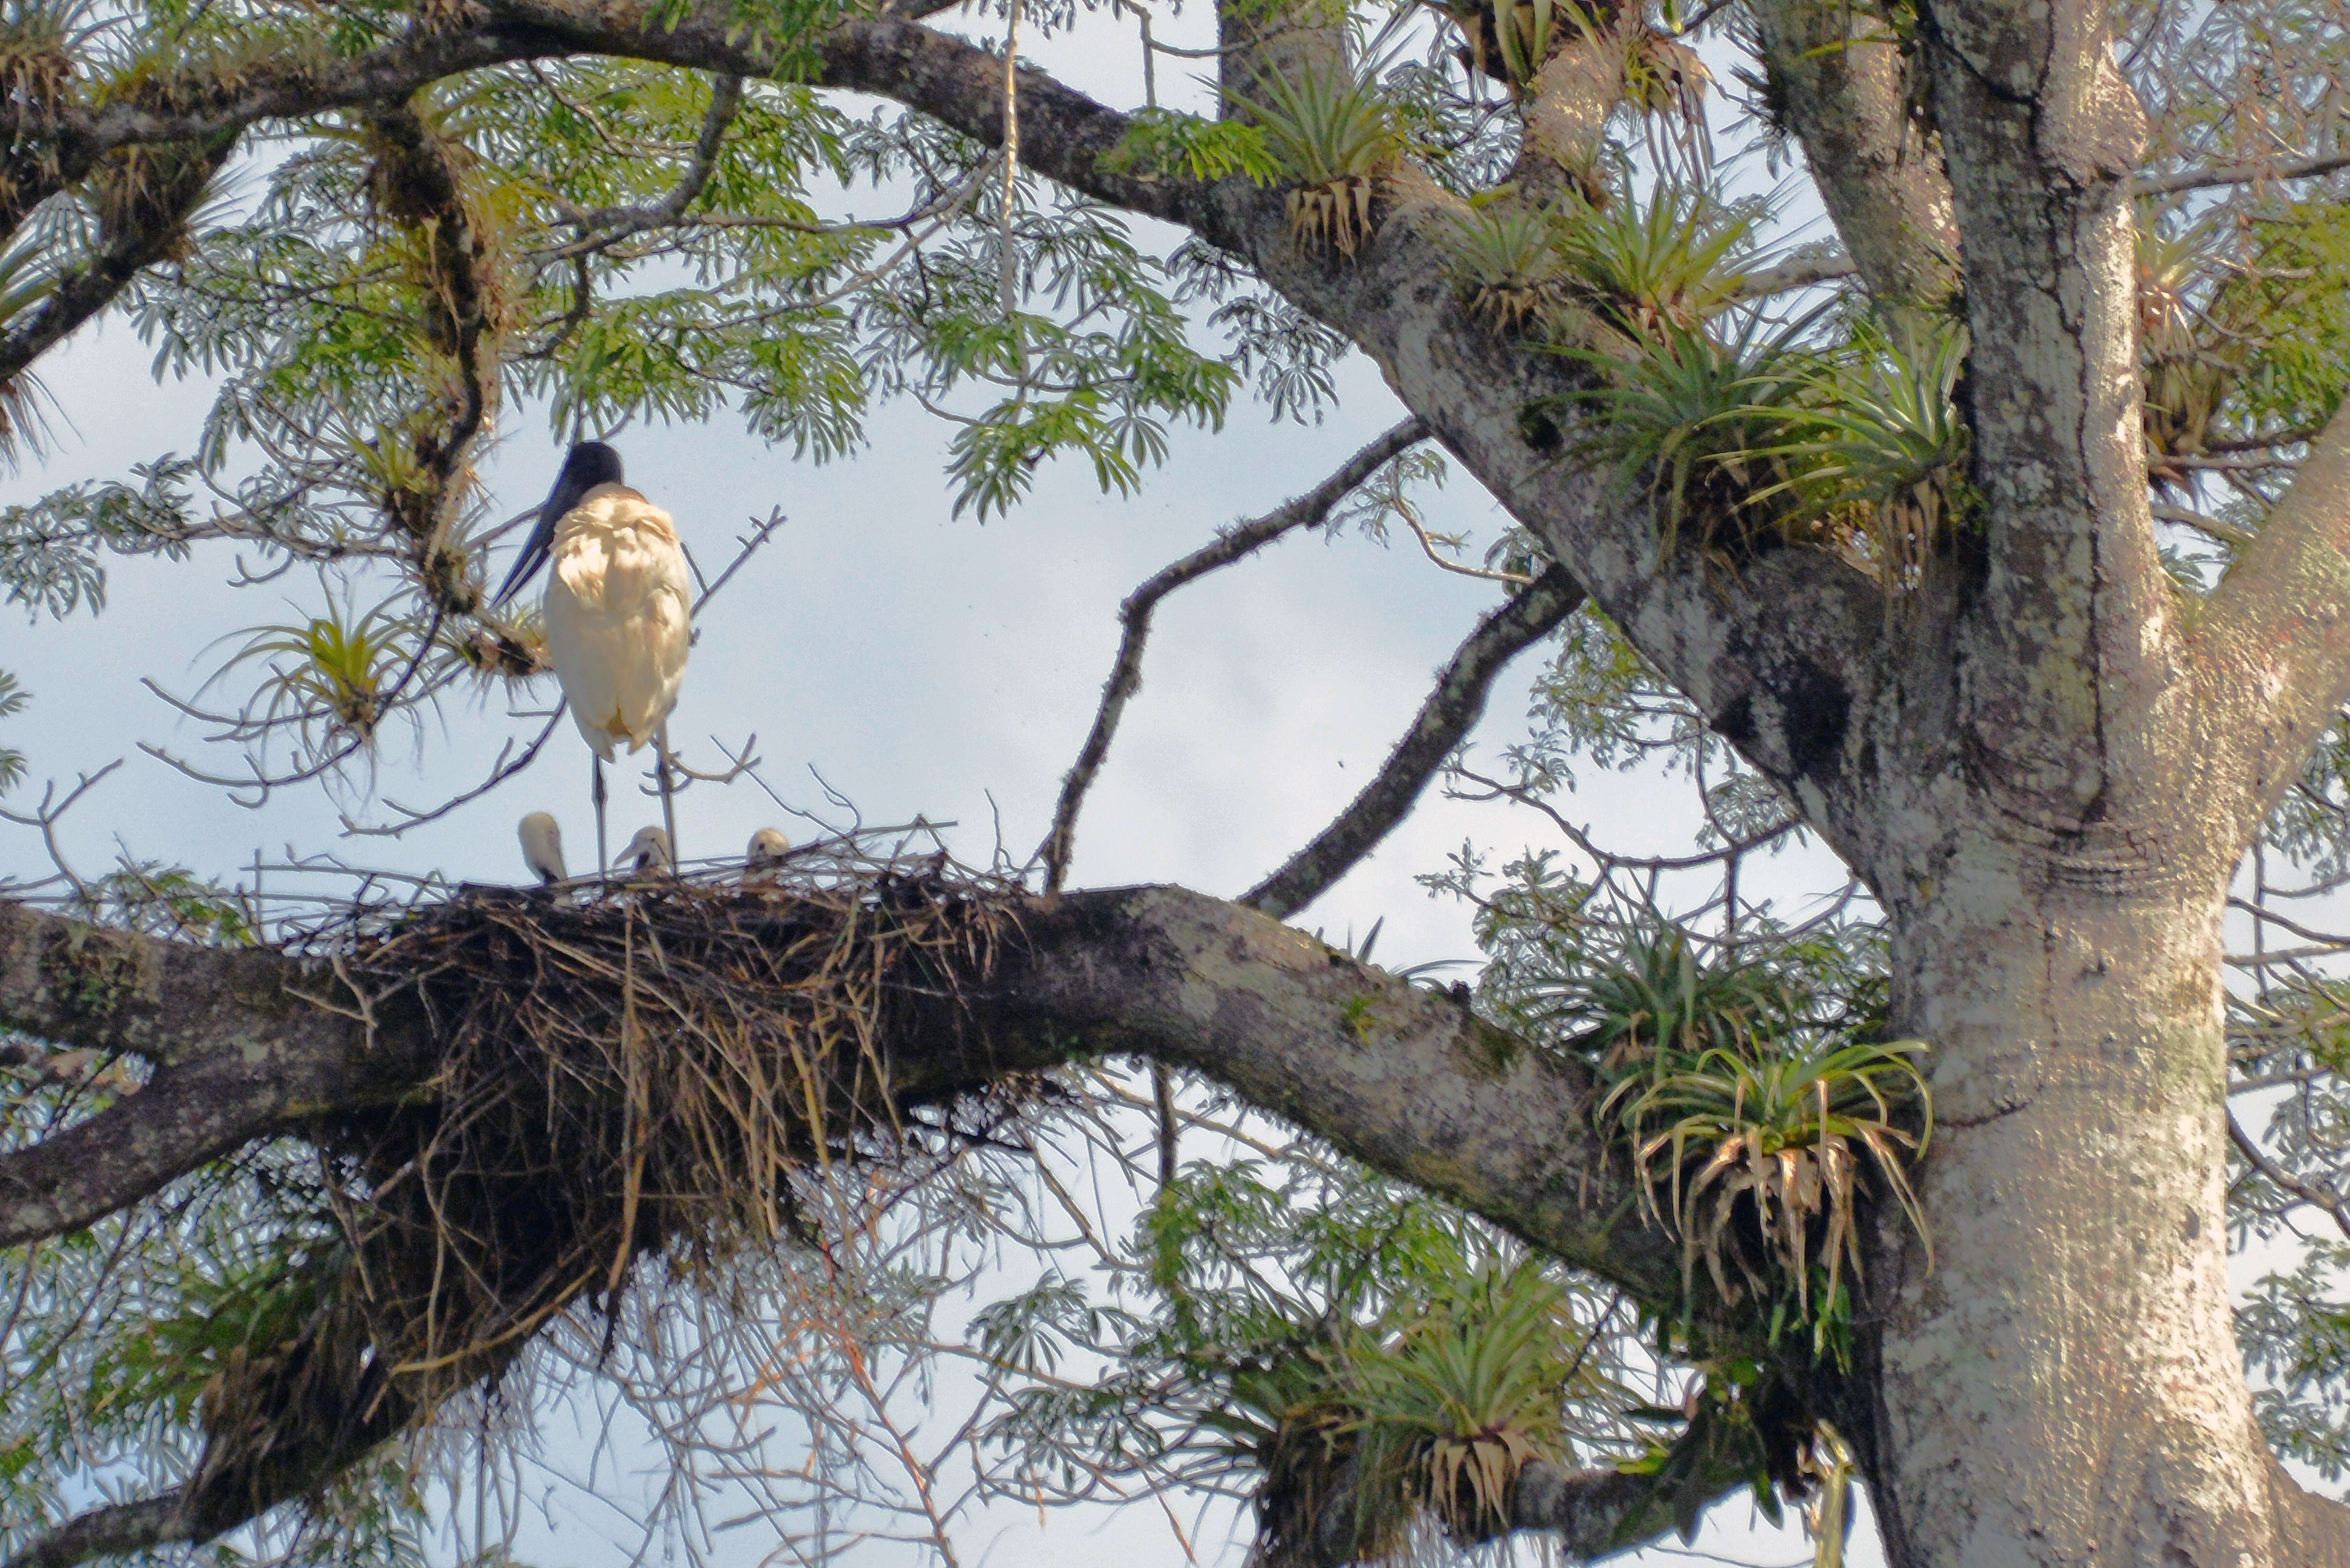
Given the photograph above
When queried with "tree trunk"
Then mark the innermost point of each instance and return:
(2063, 1384)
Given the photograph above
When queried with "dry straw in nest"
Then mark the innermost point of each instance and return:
(653, 1072)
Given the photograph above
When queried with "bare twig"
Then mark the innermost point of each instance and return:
(1427, 547)
(500, 771)
(2237, 174)
(2283, 1180)
(1233, 544)
(1448, 715)
(751, 545)
(1608, 861)
(45, 817)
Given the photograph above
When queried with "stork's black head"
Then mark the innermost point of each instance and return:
(589, 464)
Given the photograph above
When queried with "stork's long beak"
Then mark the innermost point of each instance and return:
(562, 499)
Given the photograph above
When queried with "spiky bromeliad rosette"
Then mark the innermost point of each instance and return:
(653, 1072)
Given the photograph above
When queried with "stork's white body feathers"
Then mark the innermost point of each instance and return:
(620, 616)
(542, 846)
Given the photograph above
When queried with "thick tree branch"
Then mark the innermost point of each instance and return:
(2313, 1530)
(2206, 177)
(1839, 72)
(2070, 648)
(2276, 632)
(1451, 711)
(243, 1050)
(1063, 133)
(1404, 1079)
(145, 224)
(115, 1531)
(204, 102)
(1233, 544)
(1583, 1509)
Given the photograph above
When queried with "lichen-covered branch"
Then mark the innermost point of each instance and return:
(145, 196)
(1840, 74)
(1406, 1080)
(2275, 638)
(117, 1530)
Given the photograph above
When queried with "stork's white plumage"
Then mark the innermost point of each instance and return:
(648, 852)
(768, 847)
(618, 613)
(542, 846)
(620, 616)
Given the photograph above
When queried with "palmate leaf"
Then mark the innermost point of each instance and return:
(14, 699)
(49, 550)
(1162, 141)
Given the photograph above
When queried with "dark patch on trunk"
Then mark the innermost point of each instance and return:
(1736, 722)
(1540, 431)
(1817, 708)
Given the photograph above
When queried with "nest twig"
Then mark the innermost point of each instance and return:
(655, 1072)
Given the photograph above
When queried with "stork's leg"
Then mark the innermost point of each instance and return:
(595, 792)
(669, 805)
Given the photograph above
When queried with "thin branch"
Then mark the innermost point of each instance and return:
(1451, 710)
(500, 771)
(750, 546)
(1427, 547)
(1793, 275)
(1233, 544)
(150, 236)
(2237, 174)
(2225, 533)
(2283, 1180)
(1606, 861)
(2261, 912)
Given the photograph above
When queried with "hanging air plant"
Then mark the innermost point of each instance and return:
(1334, 133)
(1506, 261)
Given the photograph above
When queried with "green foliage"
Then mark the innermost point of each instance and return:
(1752, 1089)
(1875, 450)
(1786, 1129)
(1164, 142)
(1333, 130)
(1760, 430)
(1354, 1355)
(14, 700)
(166, 901)
(335, 675)
(1676, 261)
(1432, 1419)
(50, 549)
(2293, 295)
(1695, 416)
(1507, 258)
(109, 1335)
(2294, 1328)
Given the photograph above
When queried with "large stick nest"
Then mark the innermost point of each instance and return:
(655, 1072)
